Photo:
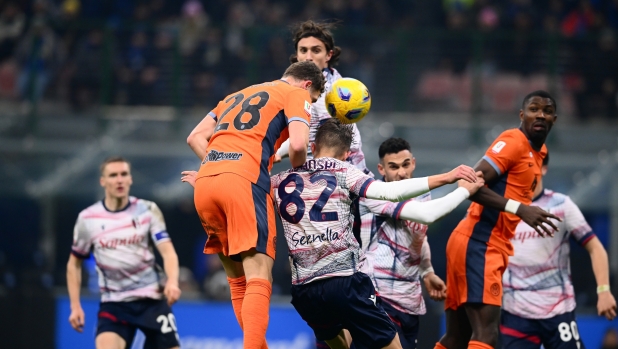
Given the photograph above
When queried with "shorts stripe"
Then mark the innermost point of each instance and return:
(475, 270)
(261, 217)
(489, 216)
(507, 331)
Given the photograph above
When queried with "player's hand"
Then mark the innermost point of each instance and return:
(472, 187)
(461, 172)
(77, 319)
(606, 305)
(277, 158)
(189, 177)
(435, 287)
(172, 292)
(538, 219)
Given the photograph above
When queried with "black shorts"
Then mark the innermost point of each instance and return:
(558, 332)
(406, 324)
(349, 302)
(153, 317)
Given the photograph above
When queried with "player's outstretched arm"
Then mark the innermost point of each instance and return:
(409, 188)
(606, 304)
(170, 265)
(200, 136)
(77, 318)
(427, 212)
(534, 216)
(299, 139)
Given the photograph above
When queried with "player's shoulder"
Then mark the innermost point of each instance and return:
(96, 210)
(143, 204)
(514, 133)
(554, 199)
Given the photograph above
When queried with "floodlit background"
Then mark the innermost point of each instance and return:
(84, 79)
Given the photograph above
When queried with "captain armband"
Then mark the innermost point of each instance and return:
(512, 206)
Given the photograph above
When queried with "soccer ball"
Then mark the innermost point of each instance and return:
(348, 100)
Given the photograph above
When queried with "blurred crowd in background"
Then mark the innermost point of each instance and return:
(84, 53)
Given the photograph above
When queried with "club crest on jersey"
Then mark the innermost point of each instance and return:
(307, 108)
(498, 147)
(135, 222)
(215, 155)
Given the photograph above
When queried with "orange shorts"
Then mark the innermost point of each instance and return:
(236, 214)
(473, 272)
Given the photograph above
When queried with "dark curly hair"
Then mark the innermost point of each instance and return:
(320, 31)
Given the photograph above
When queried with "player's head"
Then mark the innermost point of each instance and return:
(308, 76)
(537, 116)
(116, 177)
(396, 160)
(333, 139)
(313, 41)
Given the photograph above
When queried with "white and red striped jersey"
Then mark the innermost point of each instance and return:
(395, 250)
(319, 114)
(315, 205)
(120, 241)
(537, 281)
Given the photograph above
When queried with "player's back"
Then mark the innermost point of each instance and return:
(251, 125)
(315, 205)
(518, 166)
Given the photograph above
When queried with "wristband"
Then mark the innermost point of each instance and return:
(602, 288)
(512, 206)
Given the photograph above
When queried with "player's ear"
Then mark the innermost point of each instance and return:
(381, 169)
(329, 55)
(544, 170)
(313, 148)
(102, 181)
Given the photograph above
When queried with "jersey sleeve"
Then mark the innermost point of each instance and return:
(158, 230)
(297, 106)
(216, 113)
(82, 243)
(425, 267)
(576, 224)
(384, 208)
(357, 181)
(503, 153)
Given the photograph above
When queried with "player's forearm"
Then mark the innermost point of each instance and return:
(437, 181)
(600, 264)
(74, 282)
(430, 211)
(397, 191)
(170, 265)
(488, 198)
(298, 156)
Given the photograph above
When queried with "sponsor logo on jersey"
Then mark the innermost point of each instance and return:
(215, 155)
(498, 147)
(304, 240)
(115, 242)
(308, 108)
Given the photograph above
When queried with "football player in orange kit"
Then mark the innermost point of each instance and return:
(233, 196)
(478, 250)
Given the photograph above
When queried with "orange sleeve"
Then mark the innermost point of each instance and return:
(216, 113)
(297, 106)
(504, 152)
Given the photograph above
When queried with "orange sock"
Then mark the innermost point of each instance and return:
(478, 345)
(238, 287)
(439, 346)
(255, 313)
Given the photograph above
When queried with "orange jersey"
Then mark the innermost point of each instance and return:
(519, 168)
(251, 125)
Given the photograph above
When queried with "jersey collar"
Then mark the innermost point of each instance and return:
(120, 210)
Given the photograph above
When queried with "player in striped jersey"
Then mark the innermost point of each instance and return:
(119, 230)
(313, 41)
(539, 301)
(397, 249)
(314, 202)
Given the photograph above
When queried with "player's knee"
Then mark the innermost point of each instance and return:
(488, 335)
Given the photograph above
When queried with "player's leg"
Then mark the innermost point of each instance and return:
(458, 330)
(340, 342)
(517, 332)
(561, 332)
(110, 340)
(485, 323)
(253, 237)
(113, 329)
(407, 325)
(362, 311)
